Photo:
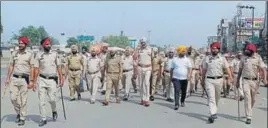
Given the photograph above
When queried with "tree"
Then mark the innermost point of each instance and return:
(1, 27)
(118, 41)
(71, 41)
(35, 35)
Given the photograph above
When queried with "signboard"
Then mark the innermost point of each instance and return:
(133, 43)
(85, 38)
(258, 22)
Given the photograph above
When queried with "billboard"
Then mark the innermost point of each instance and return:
(257, 23)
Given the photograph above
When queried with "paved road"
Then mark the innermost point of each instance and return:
(131, 115)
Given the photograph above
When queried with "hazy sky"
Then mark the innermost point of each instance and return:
(171, 23)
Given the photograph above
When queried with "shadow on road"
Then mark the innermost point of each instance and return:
(171, 106)
(196, 102)
(230, 117)
(264, 109)
(34, 118)
(195, 115)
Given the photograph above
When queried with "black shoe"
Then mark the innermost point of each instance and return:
(183, 104)
(211, 119)
(54, 116)
(241, 98)
(103, 92)
(151, 98)
(92, 102)
(248, 121)
(214, 116)
(176, 107)
(170, 100)
(82, 90)
(126, 97)
(21, 122)
(79, 96)
(135, 91)
(42, 123)
(17, 119)
(73, 99)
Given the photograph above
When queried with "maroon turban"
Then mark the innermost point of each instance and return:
(24, 40)
(215, 45)
(251, 47)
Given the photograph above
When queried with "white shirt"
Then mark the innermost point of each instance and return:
(180, 66)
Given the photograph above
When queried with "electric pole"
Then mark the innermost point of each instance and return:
(149, 37)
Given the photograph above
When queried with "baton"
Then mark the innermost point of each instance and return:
(62, 103)
(238, 105)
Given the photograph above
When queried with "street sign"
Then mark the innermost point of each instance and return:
(85, 38)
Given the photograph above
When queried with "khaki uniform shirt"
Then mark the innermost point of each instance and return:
(75, 61)
(157, 62)
(251, 66)
(128, 62)
(103, 57)
(47, 62)
(113, 65)
(197, 62)
(235, 65)
(93, 64)
(22, 62)
(144, 56)
(215, 65)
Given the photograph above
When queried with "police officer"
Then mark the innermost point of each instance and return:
(157, 71)
(93, 72)
(21, 65)
(144, 70)
(235, 66)
(128, 66)
(212, 78)
(226, 85)
(83, 81)
(113, 69)
(75, 62)
(248, 70)
(47, 64)
(167, 66)
(103, 57)
(196, 72)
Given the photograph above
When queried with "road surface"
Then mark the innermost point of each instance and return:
(130, 114)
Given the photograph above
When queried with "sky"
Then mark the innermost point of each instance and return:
(171, 22)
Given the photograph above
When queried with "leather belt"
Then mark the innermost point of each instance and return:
(21, 76)
(127, 70)
(250, 78)
(214, 77)
(48, 77)
(116, 73)
(167, 71)
(75, 69)
(195, 69)
(93, 72)
(145, 65)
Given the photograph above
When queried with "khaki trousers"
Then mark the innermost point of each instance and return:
(240, 89)
(93, 83)
(112, 81)
(47, 91)
(169, 87)
(144, 74)
(213, 87)
(19, 96)
(250, 91)
(155, 82)
(74, 82)
(126, 81)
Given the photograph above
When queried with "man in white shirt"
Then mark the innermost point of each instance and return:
(180, 72)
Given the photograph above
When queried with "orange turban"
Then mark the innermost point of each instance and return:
(215, 45)
(24, 40)
(251, 47)
(181, 49)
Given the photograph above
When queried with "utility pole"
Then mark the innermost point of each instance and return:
(149, 36)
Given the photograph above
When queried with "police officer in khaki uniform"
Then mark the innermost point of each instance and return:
(196, 72)
(47, 64)
(128, 66)
(93, 71)
(248, 70)
(212, 78)
(21, 65)
(235, 66)
(114, 70)
(103, 57)
(144, 70)
(157, 71)
(75, 62)
(167, 66)
(226, 82)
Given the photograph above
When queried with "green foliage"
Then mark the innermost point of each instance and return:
(71, 41)
(35, 35)
(116, 41)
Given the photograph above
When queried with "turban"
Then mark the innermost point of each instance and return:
(143, 39)
(105, 47)
(93, 48)
(24, 40)
(128, 48)
(155, 49)
(171, 49)
(45, 41)
(84, 48)
(181, 49)
(215, 45)
(251, 47)
(74, 47)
